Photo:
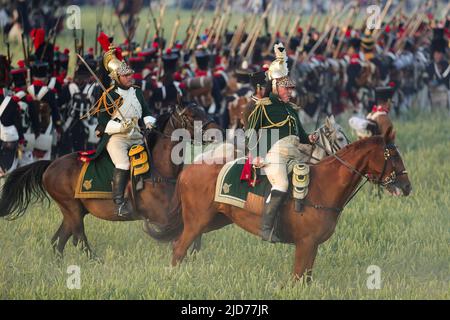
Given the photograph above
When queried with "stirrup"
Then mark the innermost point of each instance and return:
(272, 238)
(122, 210)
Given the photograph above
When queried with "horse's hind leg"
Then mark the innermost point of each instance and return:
(60, 238)
(79, 236)
(193, 228)
(197, 245)
(73, 212)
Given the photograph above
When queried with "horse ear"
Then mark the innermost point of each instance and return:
(389, 135)
(332, 120)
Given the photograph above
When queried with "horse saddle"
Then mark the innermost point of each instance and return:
(250, 194)
(96, 175)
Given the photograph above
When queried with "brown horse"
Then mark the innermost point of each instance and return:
(333, 183)
(59, 179)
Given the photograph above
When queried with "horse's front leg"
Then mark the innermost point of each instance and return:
(305, 254)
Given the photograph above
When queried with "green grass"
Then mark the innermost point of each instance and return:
(408, 238)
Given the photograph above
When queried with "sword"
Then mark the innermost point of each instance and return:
(105, 91)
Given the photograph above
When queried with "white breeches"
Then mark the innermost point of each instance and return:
(118, 146)
(277, 159)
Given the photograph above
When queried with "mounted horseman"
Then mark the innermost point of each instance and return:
(277, 113)
(377, 122)
(118, 121)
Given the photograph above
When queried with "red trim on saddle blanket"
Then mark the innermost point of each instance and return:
(84, 156)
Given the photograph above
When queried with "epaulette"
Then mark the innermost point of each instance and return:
(261, 101)
(294, 106)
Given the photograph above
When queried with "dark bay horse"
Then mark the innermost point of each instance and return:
(59, 179)
(333, 182)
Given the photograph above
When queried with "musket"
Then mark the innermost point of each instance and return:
(52, 33)
(288, 22)
(6, 43)
(308, 27)
(320, 40)
(254, 34)
(124, 30)
(147, 29)
(215, 24)
(98, 27)
(155, 23)
(382, 16)
(162, 11)
(195, 25)
(343, 30)
(82, 41)
(88, 114)
(174, 32)
(195, 34)
(293, 29)
(75, 39)
(266, 19)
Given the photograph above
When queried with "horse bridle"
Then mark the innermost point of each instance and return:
(392, 177)
(388, 180)
(326, 134)
(180, 117)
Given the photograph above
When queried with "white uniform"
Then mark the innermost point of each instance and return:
(119, 143)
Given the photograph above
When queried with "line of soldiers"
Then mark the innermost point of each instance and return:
(42, 105)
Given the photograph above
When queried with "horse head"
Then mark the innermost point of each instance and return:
(386, 168)
(331, 139)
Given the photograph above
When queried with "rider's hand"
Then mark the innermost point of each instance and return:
(313, 137)
(126, 126)
(149, 126)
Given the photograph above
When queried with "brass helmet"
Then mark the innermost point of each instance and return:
(113, 60)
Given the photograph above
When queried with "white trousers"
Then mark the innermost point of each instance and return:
(118, 146)
(277, 159)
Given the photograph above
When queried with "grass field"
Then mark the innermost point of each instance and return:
(408, 238)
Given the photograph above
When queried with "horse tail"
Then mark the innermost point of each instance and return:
(174, 226)
(22, 187)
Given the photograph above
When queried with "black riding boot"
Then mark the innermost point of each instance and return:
(120, 180)
(269, 216)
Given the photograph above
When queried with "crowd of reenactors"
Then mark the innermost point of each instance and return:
(335, 65)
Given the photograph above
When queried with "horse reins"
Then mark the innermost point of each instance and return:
(390, 179)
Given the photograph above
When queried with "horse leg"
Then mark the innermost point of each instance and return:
(193, 228)
(310, 264)
(305, 253)
(79, 236)
(60, 238)
(197, 245)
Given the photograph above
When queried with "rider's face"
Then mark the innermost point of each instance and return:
(127, 80)
(284, 94)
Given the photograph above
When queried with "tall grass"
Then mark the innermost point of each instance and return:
(408, 238)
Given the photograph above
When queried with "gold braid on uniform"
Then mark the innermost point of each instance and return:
(260, 108)
(102, 104)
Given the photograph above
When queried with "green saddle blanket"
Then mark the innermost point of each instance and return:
(95, 179)
(231, 190)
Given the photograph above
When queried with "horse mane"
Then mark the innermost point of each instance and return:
(357, 145)
(159, 127)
